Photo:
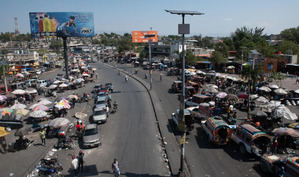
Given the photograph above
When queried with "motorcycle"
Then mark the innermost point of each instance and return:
(49, 167)
(22, 144)
(114, 108)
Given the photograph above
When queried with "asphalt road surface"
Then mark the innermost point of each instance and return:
(203, 158)
(130, 135)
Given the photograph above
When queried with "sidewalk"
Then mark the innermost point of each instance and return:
(172, 147)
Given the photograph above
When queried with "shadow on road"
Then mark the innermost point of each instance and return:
(88, 170)
(202, 139)
(232, 149)
(257, 168)
(131, 174)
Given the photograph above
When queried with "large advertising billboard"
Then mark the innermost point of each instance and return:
(61, 24)
(140, 36)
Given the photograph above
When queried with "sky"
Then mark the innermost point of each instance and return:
(221, 18)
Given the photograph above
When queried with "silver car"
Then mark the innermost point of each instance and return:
(91, 137)
(101, 102)
(100, 115)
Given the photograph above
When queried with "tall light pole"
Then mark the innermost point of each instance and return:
(3, 63)
(183, 29)
(149, 36)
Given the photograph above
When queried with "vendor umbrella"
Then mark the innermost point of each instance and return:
(59, 122)
(258, 113)
(274, 86)
(221, 95)
(20, 75)
(57, 82)
(22, 131)
(10, 95)
(53, 86)
(31, 90)
(18, 106)
(6, 111)
(254, 96)
(40, 107)
(280, 91)
(38, 114)
(294, 125)
(22, 112)
(286, 131)
(63, 85)
(262, 100)
(19, 92)
(73, 97)
(80, 115)
(243, 95)
(45, 101)
(3, 98)
(265, 89)
(3, 132)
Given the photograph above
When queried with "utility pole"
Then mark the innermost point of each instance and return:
(150, 60)
(66, 62)
(149, 36)
(183, 29)
(3, 63)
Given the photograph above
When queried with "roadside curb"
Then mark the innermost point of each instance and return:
(167, 149)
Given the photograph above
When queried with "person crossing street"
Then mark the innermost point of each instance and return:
(42, 134)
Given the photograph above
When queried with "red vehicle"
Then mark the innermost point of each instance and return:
(2, 90)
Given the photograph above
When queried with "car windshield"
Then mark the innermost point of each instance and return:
(101, 102)
(96, 113)
(89, 132)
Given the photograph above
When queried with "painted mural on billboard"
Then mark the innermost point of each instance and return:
(61, 24)
(139, 36)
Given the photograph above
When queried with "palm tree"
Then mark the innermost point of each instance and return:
(252, 76)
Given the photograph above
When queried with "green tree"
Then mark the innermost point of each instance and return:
(56, 45)
(217, 58)
(291, 34)
(252, 75)
(277, 76)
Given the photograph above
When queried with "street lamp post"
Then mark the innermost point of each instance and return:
(150, 56)
(183, 29)
(3, 63)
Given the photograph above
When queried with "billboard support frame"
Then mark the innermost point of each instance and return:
(66, 62)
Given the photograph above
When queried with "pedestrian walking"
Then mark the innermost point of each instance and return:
(297, 79)
(42, 134)
(115, 168)
(80, 160)
(75, 164)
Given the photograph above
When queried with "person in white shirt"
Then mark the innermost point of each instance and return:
(75, 164)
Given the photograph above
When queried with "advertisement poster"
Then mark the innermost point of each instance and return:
(61, 24)
(139, 36)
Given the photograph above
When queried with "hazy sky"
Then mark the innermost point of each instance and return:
(221, 16)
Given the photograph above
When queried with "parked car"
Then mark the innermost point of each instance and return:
(100, 115)
(91, 136)
(250, 139)
(101, 102)
(109, 86)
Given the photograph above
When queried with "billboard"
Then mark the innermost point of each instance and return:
(68, 24)
(139, 36)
